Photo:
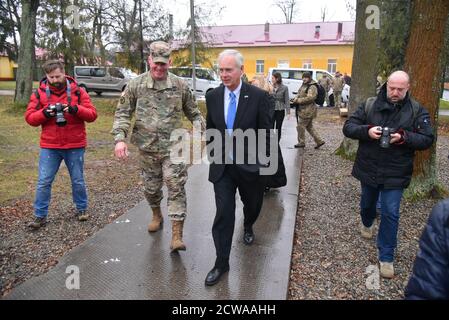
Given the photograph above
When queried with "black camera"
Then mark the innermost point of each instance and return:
(58, 110)
(385, 137)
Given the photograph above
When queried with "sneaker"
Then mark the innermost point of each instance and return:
(367, 233)
(299, 145)
(319, 144)
(386, 269)
(82, 215)
(37, 223)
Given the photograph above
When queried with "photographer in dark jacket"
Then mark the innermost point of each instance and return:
(383, 167)
(61, 109)
(430, 277)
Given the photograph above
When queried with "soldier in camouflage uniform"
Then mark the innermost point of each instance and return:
(337, 85)
(305, 99)
(158, 99)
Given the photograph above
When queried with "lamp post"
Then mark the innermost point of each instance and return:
(192, 34)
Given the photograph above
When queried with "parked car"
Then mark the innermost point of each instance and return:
(292, 78)
(206, 79)
(100, 79)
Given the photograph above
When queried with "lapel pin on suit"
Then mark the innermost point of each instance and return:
(246, 97)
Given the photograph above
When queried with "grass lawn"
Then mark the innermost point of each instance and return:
(11, 85)
(444, 105)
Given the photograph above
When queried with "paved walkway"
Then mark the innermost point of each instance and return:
(124, 261)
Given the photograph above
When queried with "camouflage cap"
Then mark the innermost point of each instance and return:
(160, 51)
(307, 74)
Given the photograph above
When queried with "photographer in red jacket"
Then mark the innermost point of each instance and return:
(60, 107)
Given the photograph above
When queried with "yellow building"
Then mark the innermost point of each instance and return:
(6, 68)
(323, 45)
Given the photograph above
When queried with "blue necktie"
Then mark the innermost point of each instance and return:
(232, 108)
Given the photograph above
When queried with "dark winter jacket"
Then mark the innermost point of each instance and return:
(73, 134)
(391, 167)
(430, 277)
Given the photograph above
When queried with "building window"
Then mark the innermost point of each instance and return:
(332, 65)
(283, 64)
(307, 64)
(260, 64)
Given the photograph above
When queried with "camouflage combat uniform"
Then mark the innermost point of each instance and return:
(337, 86)
(307, 111)
(158, 107)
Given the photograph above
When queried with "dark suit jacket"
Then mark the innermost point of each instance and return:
(254, 111)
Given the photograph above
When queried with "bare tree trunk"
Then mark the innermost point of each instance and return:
(424, 61)
(97, 11)
(288, 9)
(61, 8)
(323, 13)
(16, 47)
(99, 35)
(364, 67)
(26, 61)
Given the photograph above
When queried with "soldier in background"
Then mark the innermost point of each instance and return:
(158, 99)
(305, 99)
(337, 85)
(326, 83)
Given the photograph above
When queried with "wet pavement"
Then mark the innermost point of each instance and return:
(124, 261)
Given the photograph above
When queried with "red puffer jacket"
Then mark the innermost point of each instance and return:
(73, 134)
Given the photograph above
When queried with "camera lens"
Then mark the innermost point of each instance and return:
(60, 119)
(385, 138)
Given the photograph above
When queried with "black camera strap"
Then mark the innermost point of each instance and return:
(397, 110)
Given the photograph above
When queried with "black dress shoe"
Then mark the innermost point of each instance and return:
(214, 275)
(248, 237)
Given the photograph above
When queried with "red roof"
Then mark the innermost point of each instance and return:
(330, 33)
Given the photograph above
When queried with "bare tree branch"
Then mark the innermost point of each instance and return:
(289, 9)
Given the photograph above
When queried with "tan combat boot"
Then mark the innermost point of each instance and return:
(176, 241)
(386, 269)
(156, 222)
(367, 232)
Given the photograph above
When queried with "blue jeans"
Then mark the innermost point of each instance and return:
(49, 162)
(389, 221)
(379, 203)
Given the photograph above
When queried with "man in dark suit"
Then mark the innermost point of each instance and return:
(236, 105)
